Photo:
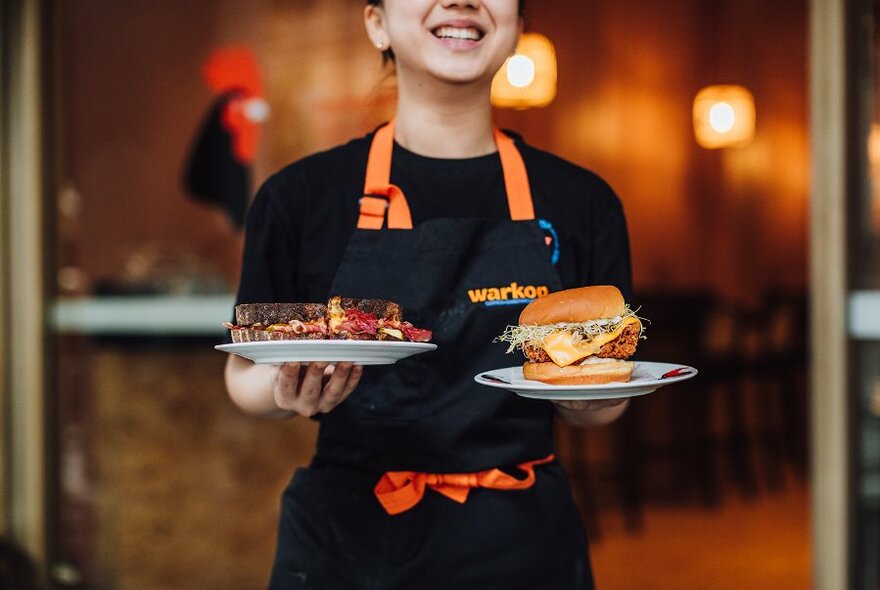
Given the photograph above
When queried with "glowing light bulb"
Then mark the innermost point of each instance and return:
(528, 78)
(520, 71)
(722, 117)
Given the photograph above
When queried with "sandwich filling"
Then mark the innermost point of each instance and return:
(370, 319)
(567, 343)
(359, 323)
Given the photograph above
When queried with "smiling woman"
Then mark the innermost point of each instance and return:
(421, 480)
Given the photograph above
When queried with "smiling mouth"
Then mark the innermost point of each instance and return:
(461, 33)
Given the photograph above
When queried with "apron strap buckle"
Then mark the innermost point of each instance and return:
(372, 211)
(376, 202)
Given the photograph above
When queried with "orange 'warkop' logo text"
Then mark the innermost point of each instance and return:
(511, 295)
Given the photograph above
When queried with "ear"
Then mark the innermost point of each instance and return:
(374, 21)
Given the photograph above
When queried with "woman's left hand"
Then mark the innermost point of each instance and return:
(589, 405)
(591, 412)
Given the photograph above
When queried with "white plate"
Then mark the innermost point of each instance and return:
(359, 352)
(646, 378)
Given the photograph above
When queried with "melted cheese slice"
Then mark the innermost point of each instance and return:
(392, 332)
(336, 315)
(562, 348)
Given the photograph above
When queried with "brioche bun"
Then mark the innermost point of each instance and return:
(574, 306)
(593, 373)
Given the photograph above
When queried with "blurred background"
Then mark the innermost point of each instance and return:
(124, 465)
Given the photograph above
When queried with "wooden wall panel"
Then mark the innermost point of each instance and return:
(188, 489)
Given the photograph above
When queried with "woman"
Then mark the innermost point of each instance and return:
(421, 478)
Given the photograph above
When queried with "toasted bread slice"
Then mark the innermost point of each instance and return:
(251, 335)
(266, 314)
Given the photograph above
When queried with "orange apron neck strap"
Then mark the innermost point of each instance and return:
(381, 197)
(379, 161)
(516, 179)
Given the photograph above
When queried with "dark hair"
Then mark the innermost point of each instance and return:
(388, 54)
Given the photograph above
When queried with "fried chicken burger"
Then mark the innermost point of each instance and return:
(577, 337)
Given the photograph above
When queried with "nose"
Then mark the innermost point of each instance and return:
(472, 4)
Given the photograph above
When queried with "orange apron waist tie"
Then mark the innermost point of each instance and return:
(398, 491)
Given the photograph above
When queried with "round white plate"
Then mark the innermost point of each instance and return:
(646, 378)
(359, 352)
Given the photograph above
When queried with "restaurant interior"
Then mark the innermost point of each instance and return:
(700, 115)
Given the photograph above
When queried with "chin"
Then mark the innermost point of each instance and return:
(455, 72)
(459, 67)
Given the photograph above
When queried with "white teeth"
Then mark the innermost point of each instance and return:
(470, 33)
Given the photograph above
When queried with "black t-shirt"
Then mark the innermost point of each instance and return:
(303, 216)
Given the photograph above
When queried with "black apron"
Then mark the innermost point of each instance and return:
(465, 279)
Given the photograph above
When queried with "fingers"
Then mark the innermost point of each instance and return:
(316, 387)
(353, 379)
(310, 389)
(572, 404)
(590, 405)
(286, 385)
(338, 386)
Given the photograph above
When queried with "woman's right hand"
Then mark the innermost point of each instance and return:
(314, 388)
(281, 391)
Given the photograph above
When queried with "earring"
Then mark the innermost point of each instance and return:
(380, 45)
